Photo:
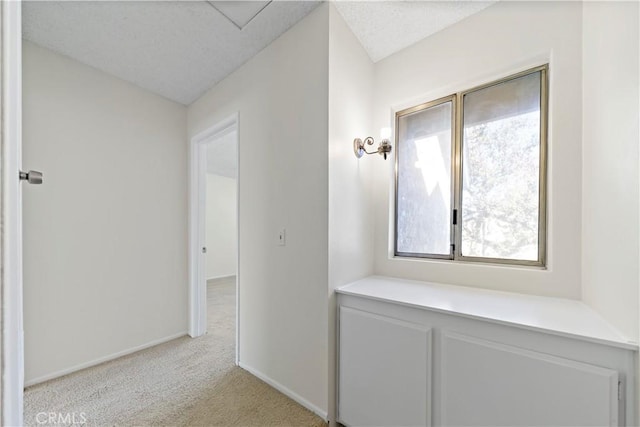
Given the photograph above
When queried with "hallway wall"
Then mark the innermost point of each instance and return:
(281, 97)
(105, 236)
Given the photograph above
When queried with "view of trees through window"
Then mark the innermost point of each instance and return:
(500, 188)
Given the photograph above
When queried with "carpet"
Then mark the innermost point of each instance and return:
(185, 382)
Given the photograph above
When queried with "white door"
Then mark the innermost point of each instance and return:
(12, 348)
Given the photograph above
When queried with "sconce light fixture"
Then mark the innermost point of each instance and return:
(384, 148)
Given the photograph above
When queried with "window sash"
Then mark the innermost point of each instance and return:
(452, 99)
(457, 170)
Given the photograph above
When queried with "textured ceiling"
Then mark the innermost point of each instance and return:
(385, 27)
(177, 49)
(222, 156)
(180, 49)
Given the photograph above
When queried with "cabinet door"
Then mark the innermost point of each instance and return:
(483, 383)
(384, 371)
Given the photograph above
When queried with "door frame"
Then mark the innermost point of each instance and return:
(197, 226)
(12, 346)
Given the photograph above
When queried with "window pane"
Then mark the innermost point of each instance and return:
(424, 181)
(501, 170)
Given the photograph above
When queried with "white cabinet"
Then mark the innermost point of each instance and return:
(486, 383)
(406, 359)
(399, 355)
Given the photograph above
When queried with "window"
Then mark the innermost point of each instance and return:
(471, 174)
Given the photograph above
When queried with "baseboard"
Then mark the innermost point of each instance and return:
(284, 390)
(217, 279)
(100, 360)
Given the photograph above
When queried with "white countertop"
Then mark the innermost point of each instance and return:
(558, 316)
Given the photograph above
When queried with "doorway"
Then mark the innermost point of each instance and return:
(213, 228)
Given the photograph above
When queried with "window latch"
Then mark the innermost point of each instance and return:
(455, 216)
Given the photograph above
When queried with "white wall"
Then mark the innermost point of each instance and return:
(221, 225)
(610, 162)
(350, 219)
(281, 97)
(105, 236)
(504, 38)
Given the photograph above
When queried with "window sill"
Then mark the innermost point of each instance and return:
(466, 262)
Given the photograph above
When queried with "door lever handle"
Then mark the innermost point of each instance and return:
(32, 177)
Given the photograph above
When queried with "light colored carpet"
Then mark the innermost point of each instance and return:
(185, 382)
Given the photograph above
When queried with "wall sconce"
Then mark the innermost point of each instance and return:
(359, 146)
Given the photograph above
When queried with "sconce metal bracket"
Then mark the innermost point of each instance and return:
(359, 147)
